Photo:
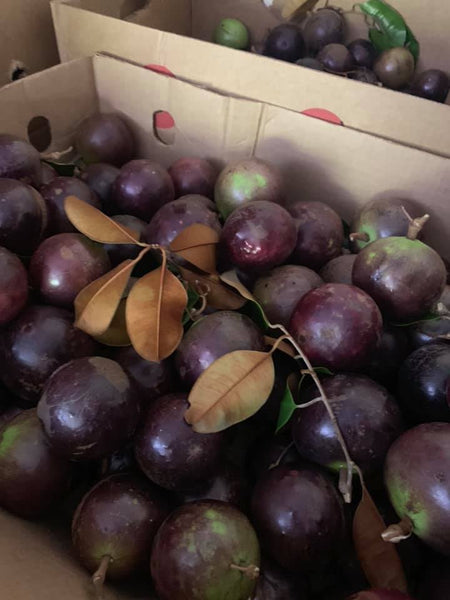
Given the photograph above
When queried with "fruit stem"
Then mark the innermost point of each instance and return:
(98, 578)
(55, 156)
(398, 532)
(415, 225)
(252, 572)
(361, 236)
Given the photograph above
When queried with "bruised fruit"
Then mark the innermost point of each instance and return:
(37, 343)
(141, 188)
(119, 252)
(259, 236)
(205, 550)
(417, 472)
(13, 286)
(88, 409)
(19, 160)
(320, 233)
(323, 27)
(118, 519)
(232, 33)
(395, 67)
(64, 264)
(432, 85)
(211, 337)
(367, 415)
(298, 516)
(336, 58)
(105, 138)
(363, 53)
(279, 291)
(170, 452)
(32, 478)
(339, 269)
(100, 178)
(246, 180)
(285, 42)
(193, 176)
(23, 217)
(338, 326)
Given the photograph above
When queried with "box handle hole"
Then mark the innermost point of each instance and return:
(40, 133)
(164, 127)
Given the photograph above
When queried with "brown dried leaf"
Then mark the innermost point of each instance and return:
(154, 314)
(231, 279)
(198, 244)
(219, 295)
(95, 225)
(231, 390)
(96, 304)
(116, 335)
(379, 559)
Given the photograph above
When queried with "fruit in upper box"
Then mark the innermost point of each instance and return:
(432, 84)
(395, 67)
(232, 33)
(285, 42)
(323, 27)
(336, 58)
(363, 52)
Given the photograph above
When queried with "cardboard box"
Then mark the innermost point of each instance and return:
(321, 161)
(27, 37)
(149, 36)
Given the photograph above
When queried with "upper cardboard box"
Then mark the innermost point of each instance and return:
(147, 36)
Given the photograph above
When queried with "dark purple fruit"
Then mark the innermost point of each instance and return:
(432, 85)
(118, 518)
(424, 384)
(88, 408)
(274, 584)
(121, 461)
(170, 452)
(13, 286)
(142, 188)
(37, 343)
(119, 252)
(279, 291)
(417, 472)
(23, 217)
(247, 180)
(364, 75)
(336, 58)
(323, 27)
(285, 42)
(363, 52)
(320, 233)
(339, 270)
(338, 326)
(65, 264)
(210, 338)
(266, 454)
(202, 550)
(368, 416)
(405, 277)
(19, 160)
(174, 217)
(55, 194)
(380, 595)
(259, 235)
(193, 176)
(32, 479)
(395, 67)
(391, 351)
(298, 516)
(310, 63)
(100, 178)
(105, 138)
(425, 332)
(48, 173)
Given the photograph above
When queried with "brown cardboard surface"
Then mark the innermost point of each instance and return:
(412, 121)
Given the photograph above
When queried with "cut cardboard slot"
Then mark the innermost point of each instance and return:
(321, 161)
(176, 34)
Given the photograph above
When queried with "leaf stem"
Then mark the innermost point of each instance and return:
(252, 572)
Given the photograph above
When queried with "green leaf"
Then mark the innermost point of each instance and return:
(389, 21)
(193, 298)
(379, 40)
(287, 409)
(429, 317)
(256, 313)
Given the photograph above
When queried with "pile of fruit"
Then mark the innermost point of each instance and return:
(236, 395)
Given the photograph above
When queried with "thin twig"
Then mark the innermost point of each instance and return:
(98, 578)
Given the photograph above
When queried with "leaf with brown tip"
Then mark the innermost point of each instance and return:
(379, 559)
(231, 390)
(95, 225)
(198, 244)
(219, 295)
(154, 314)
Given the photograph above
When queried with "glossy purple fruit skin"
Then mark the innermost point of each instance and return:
(338, 326)
(174, 217)
(119, 517)
(13, 286)
(259, 235)
(368, 417)
(210, 338)
(142, 188)
(339, 269)
(416, 474)
(193, 176)
(88, 409)
(320, 234)
(298, 516)
(32, 478)
(285, 42)
(100, 178)
(55, 194)
(363, 52)
(105, 138)
(22, 217)
(279, 291)
(64, 264)
(19, 160)
(119, 252)
(170, 452)
(405, 277)
(38, 342)
(391, 351)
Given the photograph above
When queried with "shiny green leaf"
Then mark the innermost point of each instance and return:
(287, 409)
